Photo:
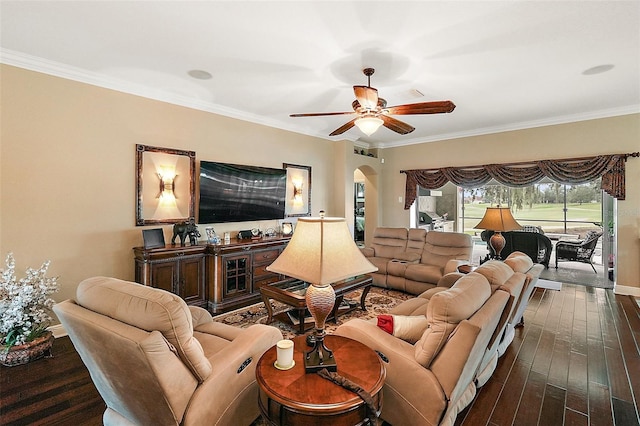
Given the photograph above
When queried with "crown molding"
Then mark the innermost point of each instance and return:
(57, 69)
(593, 115)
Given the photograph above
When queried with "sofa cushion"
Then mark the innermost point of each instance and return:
(440, 247)
(415, 242)
(496, 272)
(446, 309)
(149, 309)
(423, 273)
(408, 328)
(519, 261)
(387, 242)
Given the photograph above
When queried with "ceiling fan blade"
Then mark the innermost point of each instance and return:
(340, 130)
(396, 125)
(318, 114)
(436, 107)
(367, 96)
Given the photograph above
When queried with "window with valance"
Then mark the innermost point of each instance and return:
(611, 168)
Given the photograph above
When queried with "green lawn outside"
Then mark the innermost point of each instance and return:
(580, 217)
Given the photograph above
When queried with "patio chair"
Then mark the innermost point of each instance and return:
(578, 250)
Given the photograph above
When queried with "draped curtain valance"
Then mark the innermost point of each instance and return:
(567, 171)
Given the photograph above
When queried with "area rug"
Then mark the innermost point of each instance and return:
(378, 301)
(550, 285)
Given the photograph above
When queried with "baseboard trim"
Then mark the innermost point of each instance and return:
(58, 330)
(626, 290)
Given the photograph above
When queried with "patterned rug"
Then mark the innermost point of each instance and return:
(378, 301)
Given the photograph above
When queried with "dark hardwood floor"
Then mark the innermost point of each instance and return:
(575, 362)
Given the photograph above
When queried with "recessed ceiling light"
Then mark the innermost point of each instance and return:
(200, 74)
(598, 69)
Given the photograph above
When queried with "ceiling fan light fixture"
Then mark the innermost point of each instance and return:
(368, 124)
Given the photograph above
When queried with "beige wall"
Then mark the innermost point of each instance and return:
(67, 175)
(586, 138)
(67, 170)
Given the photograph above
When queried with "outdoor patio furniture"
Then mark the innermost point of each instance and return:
(578, 250)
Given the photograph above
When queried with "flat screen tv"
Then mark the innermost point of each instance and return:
(239, 193)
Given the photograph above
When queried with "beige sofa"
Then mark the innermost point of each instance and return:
(443, 392)
(414, 260)
(431, 381)
(157, 361)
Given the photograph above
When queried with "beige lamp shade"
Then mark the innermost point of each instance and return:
(321, 252)
(498, 219)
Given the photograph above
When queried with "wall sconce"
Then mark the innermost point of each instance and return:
(167, 177)
(297, 191)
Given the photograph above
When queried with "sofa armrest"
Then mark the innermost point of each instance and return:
(370, 334)
(404, 374)
(368, 251)
(199, 316)
(253, 341)
(449, 279)
(408, 257)
(452, 265)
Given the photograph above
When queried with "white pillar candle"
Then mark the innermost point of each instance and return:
(284, 349)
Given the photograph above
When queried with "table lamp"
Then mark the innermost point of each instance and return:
(321, 252)
(498, 219)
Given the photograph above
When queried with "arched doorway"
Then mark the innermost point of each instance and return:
(365, 203)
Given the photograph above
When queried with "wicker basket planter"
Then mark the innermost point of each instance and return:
(30, 351)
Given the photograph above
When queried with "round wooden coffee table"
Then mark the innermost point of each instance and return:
(292, 397)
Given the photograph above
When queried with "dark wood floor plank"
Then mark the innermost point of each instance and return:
(624, 413)
(608, 324)
(579, 337)
(543, 308)
(544, 352)
(600, 407)
(482, 407)
(553, 317)
(509, 399)
(596, 362)
(531, 402)
(633, 366)
(577, 388)
(559, 368)
(618, 376)
(552, 412)
(527, 351)
(573, 418)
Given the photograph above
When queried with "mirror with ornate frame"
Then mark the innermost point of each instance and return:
(165, 185)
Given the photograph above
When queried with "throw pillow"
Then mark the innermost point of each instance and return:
(408, 328)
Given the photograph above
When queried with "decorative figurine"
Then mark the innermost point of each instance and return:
(183, 230)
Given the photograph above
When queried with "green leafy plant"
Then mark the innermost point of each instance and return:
(25, 304)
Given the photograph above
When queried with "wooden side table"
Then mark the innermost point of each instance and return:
(293, 397)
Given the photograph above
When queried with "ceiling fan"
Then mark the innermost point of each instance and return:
(372, 111)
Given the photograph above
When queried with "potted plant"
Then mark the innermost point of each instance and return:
(25, 308)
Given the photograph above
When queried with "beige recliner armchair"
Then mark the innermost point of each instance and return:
(157, 361)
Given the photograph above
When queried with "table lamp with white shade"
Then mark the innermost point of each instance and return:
(321, 252)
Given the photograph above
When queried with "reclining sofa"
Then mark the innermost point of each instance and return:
(414, 260)
(461, 327)
(157, 361)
